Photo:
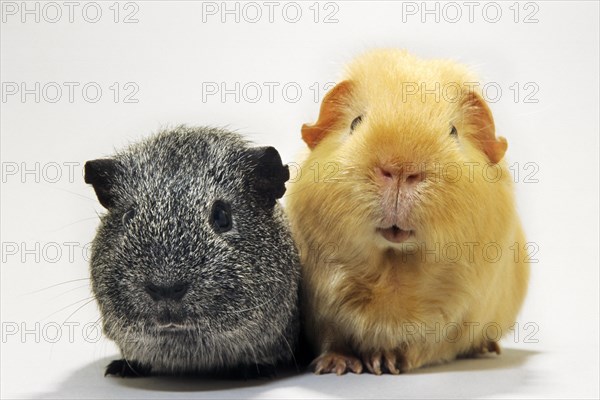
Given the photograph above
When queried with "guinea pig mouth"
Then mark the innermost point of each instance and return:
(171, 326)
(395, 234)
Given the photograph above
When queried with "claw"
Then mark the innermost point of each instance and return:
(340, 367)
(388, 361)
(125, 368)
(486, 347)
(377, 366)
(321, 365)
(493, 347)
(355, 365)
(338, 363)
(373, 363)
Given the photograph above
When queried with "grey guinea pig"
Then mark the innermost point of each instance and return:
(193, 266)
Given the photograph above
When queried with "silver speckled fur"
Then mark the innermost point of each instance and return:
(241, 307)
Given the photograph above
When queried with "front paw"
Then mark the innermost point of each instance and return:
(126, 369)
(340, 363)
(379, 362)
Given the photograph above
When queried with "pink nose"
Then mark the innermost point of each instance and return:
(404, 177)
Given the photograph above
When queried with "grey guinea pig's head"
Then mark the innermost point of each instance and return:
(193, 266)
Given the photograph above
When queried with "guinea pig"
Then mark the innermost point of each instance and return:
(411, 248)
(193, 266)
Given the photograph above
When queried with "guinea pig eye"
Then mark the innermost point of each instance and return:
(355, 123)
(453, 131)
(221, 216)
(128, 216)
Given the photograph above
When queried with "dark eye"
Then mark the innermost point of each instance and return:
(355, 122)
(453, 132)
(128, 216)
(221, 216)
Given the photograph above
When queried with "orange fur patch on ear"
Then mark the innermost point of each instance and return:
(329, 115)
(480, 118)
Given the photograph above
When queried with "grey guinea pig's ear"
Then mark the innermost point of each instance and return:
(101, 175)
(268, 174)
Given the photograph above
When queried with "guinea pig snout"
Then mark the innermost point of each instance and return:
(405, 177)
(398, 185)
(167, 292)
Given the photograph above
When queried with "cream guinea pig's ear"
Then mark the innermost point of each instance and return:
(479, 117)
(332, 111)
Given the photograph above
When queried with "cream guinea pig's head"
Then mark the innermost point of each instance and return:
(407, 152)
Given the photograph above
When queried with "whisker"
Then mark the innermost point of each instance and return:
(72, 223)
(133, 369)
(51, 286)
(78, 308)
(70, 290)
(276, 296)
(71, 192)
(291, 351)
(282, 334)
(70, 305)
(97, 321)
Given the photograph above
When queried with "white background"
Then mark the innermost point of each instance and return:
(170, 53)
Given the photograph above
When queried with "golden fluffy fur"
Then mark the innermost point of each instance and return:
(456, 284)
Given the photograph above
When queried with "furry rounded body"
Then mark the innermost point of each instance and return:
(440, 291)
(177, 293)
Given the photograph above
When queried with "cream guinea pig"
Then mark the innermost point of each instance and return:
(412, 250)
